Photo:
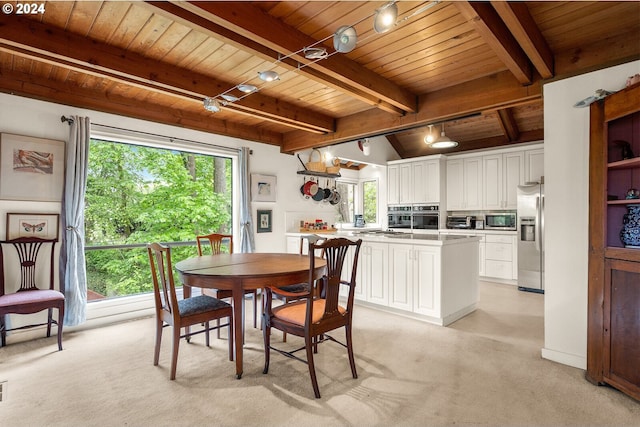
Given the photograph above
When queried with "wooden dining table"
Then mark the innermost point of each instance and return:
(247, 271)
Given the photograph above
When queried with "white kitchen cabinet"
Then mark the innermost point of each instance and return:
(534, 165)
(464, 184)
(372, 273)
(481, 255)
(415, 182)
(502, 173)
(499, 256)
(393, 184)
(427, 270)
(426, 181)
(414, 277)
(401, 276)
(406, 183)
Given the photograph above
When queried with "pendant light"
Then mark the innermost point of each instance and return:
(429, 138)
(443, 141)
(268, 76)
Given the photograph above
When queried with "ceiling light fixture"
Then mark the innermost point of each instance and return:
(443, 141)
(364, 146)
(268, 76)
(345, 39)
(315, 53)
(245, 88)
(211, 104)
(386, 17)
(429, 138)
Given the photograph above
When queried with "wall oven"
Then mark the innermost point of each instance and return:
(425, 217)
(399, 217)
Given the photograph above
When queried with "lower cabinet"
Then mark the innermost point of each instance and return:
(622, 326)
(414, 278)
(372, 267)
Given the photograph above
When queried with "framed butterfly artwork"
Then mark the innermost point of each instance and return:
(42, 225)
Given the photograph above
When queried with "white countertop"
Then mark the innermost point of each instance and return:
(406, 238)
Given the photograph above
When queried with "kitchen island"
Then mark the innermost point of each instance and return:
(429, 277)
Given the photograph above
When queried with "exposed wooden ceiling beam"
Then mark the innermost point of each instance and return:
(253, 23)
(521, 24)
(23, 84)
(493, 92)
(508, 124)
(37, 41)
(496, 34)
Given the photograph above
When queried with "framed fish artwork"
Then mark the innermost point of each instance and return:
(31, 168)
(42, 225)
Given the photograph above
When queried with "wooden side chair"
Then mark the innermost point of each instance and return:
(294, 292)
(29, 299)
(216, 243)
(316, 313)
(181, 313)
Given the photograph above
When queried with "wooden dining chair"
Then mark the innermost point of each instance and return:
(182, 313)
(294, 292)
(316, 313)
(29, 298)
(216, 244)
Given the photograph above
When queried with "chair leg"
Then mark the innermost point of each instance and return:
(266, 334)
(60, 324)
(206, 339)
(255, 309)
(218, 325)
(309, 344)
(174, 351)
(352, 360)
(156, 353)
(49, 319)
(230, 334)
(3, 331)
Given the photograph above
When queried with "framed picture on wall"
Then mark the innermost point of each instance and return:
(31, 168)
(263, 188)
(42, 225)
(264, 221)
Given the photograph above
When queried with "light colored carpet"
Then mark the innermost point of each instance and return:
(484, 369)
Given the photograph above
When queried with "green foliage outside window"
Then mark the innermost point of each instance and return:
(139, 195)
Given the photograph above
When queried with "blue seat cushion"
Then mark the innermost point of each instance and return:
(200, 304)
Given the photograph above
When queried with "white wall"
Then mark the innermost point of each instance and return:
(566, 166)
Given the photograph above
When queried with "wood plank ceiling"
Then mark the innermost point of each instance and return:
(478, 67)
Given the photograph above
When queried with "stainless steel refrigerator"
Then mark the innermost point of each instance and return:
(531, 237)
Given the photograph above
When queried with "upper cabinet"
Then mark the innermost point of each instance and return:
(490, 181)
(502, 173)
(418, 181)
(464, 183)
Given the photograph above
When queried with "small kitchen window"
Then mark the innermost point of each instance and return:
(370, 201)
(358, 197)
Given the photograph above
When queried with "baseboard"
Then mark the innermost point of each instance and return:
(564, 358)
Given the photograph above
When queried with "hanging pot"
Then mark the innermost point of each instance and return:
(336, 198)
(328, 193)
(310, 188)
(319, 195)
(302, 192)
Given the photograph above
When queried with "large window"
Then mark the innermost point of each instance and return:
(139, 194)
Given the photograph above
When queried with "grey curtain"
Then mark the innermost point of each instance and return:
(73, 273)
(247, 243)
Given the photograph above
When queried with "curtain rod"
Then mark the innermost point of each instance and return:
(170, 138)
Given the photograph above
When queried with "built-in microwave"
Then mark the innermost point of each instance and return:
(500, 221)
(399, 217)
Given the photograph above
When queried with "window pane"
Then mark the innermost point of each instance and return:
(347, 202)
(370, 190)
(140, 194)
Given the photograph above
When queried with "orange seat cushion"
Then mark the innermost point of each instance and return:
(295, 312)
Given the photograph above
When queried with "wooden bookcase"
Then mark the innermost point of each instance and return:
(613, 337)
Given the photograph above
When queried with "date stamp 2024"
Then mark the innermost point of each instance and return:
(23, 8)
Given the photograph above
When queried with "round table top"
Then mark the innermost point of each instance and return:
(247, 265)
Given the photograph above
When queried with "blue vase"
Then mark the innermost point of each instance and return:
(630, 233)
